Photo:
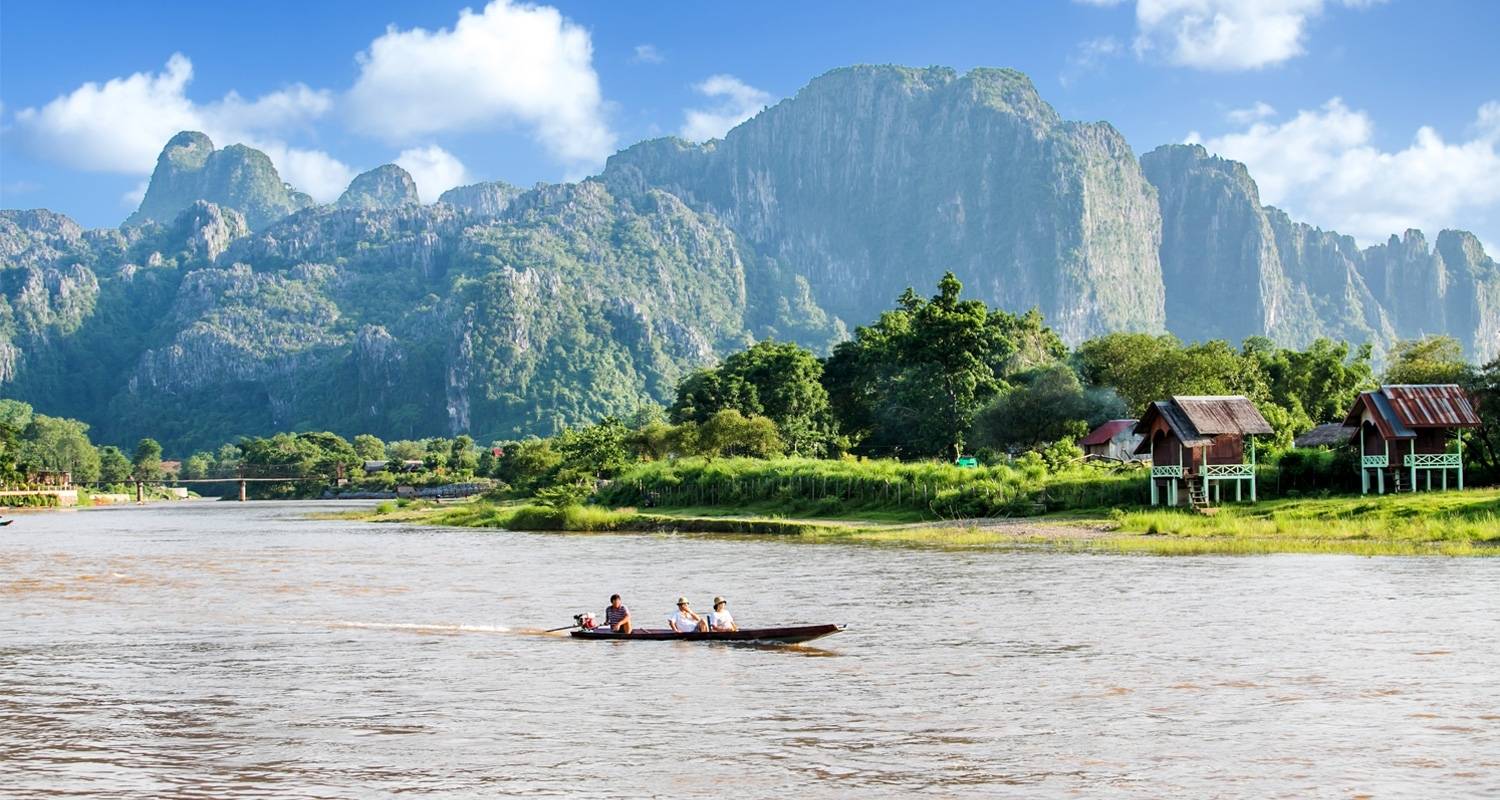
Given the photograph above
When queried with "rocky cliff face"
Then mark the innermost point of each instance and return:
(481, 199)
(872, 179)
(238, 177)
(1234, 268)
(387, 186)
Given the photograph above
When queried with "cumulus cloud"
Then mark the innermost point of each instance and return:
(509, 64)
(1323, 166)
(120, 125)
(737, 102)
(1226, 34)
(1244, 116)
(434, 169)
(647, 54)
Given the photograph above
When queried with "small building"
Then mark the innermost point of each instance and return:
(1408, 432)
(1195, 443)
(1332, 434)
(1114, 439)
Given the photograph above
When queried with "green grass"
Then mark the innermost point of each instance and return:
(1444, 524)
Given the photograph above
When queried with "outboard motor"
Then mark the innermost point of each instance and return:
(585, 621)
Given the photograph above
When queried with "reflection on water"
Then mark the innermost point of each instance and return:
(212, 650)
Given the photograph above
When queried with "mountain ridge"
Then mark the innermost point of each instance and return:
(504, 311)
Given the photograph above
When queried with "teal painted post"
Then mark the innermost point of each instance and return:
(1252, 470)
(1364, 474)
(1460, 461)
(1153, 490)
(1412, 447)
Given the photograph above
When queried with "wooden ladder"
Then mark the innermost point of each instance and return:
(1197, 499)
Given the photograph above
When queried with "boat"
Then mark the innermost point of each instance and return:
(4, 522)
(789, 635)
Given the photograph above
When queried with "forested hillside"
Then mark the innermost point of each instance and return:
(229, 304)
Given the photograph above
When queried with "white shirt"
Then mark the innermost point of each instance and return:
(682, 623)
(720, 620)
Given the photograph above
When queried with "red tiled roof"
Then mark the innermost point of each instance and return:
(1105, 432)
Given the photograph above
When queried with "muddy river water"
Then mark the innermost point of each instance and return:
(244, 650)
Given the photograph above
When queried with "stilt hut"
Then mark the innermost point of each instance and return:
(1114, 439)
(1408, 432)
(1197, 443)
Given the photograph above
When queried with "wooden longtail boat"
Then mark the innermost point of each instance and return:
(791, 635)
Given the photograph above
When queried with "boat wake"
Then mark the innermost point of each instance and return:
(410, 627)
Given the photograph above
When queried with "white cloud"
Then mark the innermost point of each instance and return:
(312, 171)
(647, 54)
(1089, 56)
(508, 64)
(1244, 116)
(1322, 166)
(1227, 34)
(434, 169)
(738, 102)
(121, 125)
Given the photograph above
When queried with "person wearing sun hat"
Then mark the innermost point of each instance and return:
(720, 619)
(685, 621)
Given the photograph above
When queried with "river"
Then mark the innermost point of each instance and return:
(244, 650)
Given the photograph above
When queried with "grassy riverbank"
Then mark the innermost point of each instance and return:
(1446, 523)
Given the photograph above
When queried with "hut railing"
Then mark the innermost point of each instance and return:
(1432, 460)
(1229, 470)
(1374, 462)
(1167, 471)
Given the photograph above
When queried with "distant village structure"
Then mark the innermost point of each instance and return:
(1115, 439)
(1408, 432)
(1196, 443)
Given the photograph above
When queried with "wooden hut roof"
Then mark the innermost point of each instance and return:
(1196, 420)
(1105, 432)
(1399, 409)
(1331, 434)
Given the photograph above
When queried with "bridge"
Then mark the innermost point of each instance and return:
(243, 475)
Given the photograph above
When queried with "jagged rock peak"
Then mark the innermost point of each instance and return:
(488, 199)
(386, 186)
(237, 177)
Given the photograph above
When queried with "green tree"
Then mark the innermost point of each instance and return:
(912, 382)
(54, 443)
(730, 433)
(406, 450)
(462, 457)
(1483, 385)
(146, 463)
(528, 464)
(114, 467)
(198, 465)
(598, 450)
(1431, 359)
(777, 380)
(369, 447)
(1315, 385)
(1050, 405)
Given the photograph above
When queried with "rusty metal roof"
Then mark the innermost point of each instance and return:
(1216, 415)
(1443, 405)
(1105, 432)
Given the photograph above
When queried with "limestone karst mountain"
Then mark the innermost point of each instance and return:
(237, 177)
(232, 304)
(387, 186)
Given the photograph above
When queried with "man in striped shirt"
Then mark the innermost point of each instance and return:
(617, 616)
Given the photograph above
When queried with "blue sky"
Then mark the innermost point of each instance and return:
(1358, 115)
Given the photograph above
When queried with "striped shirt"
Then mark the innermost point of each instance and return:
(612, 615)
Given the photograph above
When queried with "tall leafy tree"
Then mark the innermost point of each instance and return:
(114, 467)
(777, 380)
(912, 382)
(1050, 405)
(146, 463)
(1431, 359)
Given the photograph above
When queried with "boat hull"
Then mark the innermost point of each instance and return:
(791, 635)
